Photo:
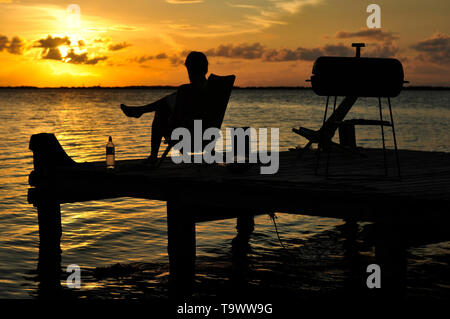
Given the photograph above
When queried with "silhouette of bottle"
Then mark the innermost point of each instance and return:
(110, 154)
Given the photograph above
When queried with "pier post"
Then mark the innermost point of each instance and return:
(49, 262)
(349, 231)
(390, 254)
(245, 225)
(49, 219)
(181, 249)
(47, 155)
(239, 250)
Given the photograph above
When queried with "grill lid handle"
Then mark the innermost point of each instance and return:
(358, 47)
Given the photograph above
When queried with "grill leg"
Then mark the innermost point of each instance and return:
(395, 139)
(317, 159)
(319, 144)
(330, 144)
(382, 136)
(391, 256)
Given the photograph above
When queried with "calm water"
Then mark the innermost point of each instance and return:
(120, 244)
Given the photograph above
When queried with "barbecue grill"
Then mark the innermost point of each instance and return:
(364, 77)
(353, 77)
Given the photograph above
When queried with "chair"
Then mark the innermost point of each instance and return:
(323, 136)
(211, 111)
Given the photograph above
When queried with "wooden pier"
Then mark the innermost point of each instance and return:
(355, 190)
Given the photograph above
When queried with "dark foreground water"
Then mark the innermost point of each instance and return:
(120, 244)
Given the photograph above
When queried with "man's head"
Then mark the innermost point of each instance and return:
(197, 65)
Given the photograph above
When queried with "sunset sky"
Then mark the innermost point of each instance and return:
(263, 42)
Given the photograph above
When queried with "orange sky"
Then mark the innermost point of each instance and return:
(263, 42)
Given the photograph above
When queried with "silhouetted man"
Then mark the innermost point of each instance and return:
(173, 110)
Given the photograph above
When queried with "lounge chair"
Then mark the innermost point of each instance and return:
(212, 111)
(323, 137)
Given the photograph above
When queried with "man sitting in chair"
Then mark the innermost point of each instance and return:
(172, 110)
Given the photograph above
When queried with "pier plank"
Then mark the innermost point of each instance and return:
(359, 187)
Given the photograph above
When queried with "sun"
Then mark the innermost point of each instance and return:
(73, 16)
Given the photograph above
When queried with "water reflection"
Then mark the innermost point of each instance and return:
(331, 264)
(128, 231)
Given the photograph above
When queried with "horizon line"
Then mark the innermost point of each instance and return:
(410, 87)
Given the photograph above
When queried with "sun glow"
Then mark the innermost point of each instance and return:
(68, 69)
(144, 42)
(73, 16)
(64, 49)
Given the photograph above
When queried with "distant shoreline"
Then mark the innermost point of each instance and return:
(168, 87)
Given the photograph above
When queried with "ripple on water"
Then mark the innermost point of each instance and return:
(121, 244)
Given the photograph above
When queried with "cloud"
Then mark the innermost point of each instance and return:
(15, 46)
(435, 49)
(300, 53)
(51, 51)
(263, 21)
(174, 59)
(293, 6)
(50, 47)
(385, 50)
(4, 42)
(310, 54)
(273, 12)
(258, 51)
(101, 40)
(247, 16)
(243, 6)
(51, 42)
(372, 34)
(123, 28)
(52, 54)
(161, 56)
(338, 50)
(118, 46)
(244, 51)
(146, 58)
(307, 54)
(82, 58)
(181, 26)
(430, 69)
(183, 1)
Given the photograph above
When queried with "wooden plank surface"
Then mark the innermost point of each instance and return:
(356, 186)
